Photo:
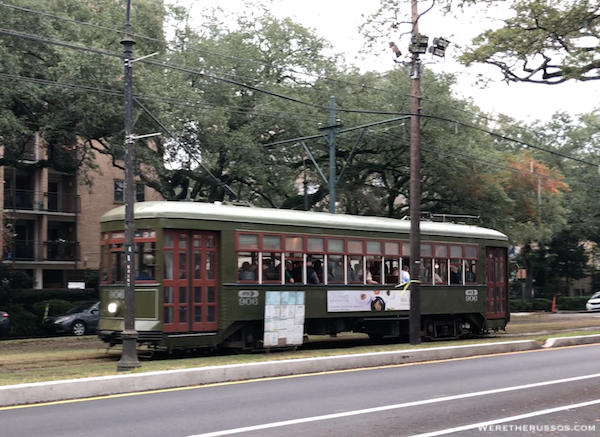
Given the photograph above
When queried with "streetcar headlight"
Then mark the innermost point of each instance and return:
(112, 307)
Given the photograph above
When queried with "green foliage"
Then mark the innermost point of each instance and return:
(12, 280)
(55, 307)
(541, 42)
(541, 304)
(520, 305)
(26, 307)
(575, 303)
(28, 298)
(22, 321)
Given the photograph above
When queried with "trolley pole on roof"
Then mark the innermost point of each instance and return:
(129, 359)
(415, 189)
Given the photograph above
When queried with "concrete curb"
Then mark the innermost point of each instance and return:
(22, 394)
(572, 341)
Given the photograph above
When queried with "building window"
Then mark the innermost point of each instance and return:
(140, 192)
(119, 188)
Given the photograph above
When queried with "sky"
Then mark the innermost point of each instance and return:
(338, 22)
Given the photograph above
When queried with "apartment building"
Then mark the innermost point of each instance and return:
(50, 219)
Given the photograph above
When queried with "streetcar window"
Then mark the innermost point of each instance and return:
(247, 266)
(197, 265)
(355, 246)
(470, 252)
(374, 247)
(318, 261)
(210, 265)
(294, 244)
(456, 271)
(168, 265)
(392, 270)
(117, 263)
(296, 262)
(248, 241)
(354, 270)
(271, 267)
(334, 245)
(441, 271)
(470, 271)
(426, 270)
(426, 250)
(104, 260)
(374, 272)
(456, 252)
(271, 242)
(441, 251)
(315, 245)
(392, 249)
(335, 268)
(145, 255)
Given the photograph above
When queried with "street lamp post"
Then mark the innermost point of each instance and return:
(129, 359)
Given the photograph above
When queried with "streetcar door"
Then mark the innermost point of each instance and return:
(189, 281)
(496, 282)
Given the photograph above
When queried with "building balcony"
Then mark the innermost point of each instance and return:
(40, 251)
(29, 200)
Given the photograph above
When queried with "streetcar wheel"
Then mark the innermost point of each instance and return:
(78, 328)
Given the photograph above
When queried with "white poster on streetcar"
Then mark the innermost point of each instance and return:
(284, 318)
(340, 301)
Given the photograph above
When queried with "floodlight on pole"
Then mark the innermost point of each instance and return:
(418, 44)
(438, 48)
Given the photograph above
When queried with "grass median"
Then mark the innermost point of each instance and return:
(58, 358)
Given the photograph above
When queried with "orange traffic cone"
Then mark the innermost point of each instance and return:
(554, 304)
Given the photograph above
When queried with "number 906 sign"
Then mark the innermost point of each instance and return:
(471, 295)
(247, 297)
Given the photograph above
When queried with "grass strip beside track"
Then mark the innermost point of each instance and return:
(37, 360)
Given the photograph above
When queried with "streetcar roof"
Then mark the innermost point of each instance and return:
(271, 216)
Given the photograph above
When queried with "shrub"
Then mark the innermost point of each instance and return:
(55, 307)
(575, 303)
(540, 304)
(22, 322)
(520, 305)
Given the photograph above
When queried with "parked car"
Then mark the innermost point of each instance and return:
(593, 304)
(80, 320)
(4, 323)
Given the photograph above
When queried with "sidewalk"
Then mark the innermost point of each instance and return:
(23, 394)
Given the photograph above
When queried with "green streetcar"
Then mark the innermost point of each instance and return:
(215, 275)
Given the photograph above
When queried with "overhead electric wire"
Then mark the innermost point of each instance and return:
(169, 100)
(291, 99)
(121, 32)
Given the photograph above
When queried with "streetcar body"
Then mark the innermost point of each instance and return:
(214, 275)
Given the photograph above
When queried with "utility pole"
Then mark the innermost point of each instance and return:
(415, 188)
(129, 359)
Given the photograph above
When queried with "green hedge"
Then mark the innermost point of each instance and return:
(563, 303)
(575, 303)
(27, 307)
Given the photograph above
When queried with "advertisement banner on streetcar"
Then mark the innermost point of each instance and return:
(339, 301)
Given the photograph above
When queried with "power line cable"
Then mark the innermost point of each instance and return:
(172, 101)
(29, 10)
(291, 99)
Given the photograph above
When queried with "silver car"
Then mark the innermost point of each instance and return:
(594, 303)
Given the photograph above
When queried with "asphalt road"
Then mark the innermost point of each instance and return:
(545, 392)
